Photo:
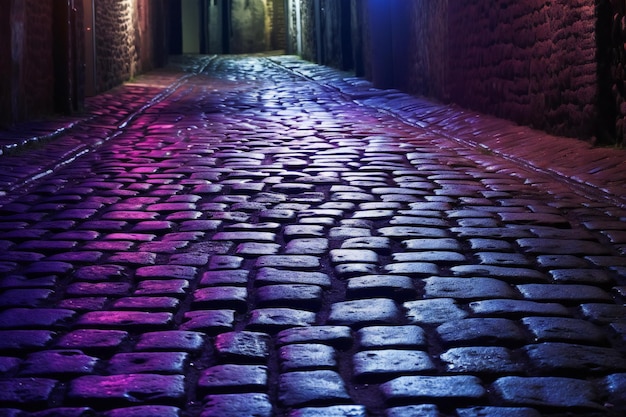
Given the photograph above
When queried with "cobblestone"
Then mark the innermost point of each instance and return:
(481, 331)
(433, 389)
(148, 362)
(433, 311)
(127, 388)
(93, 340)
(564, 329)
(364, 312)
(144, 411)
(311, 388)
(547, 392)
(55, 363)
(308, 297)
(228, 379)
(425, 410)
(126, 319)
(337, 336)
(391, 336)
(15, 318)
(208, 321)
(243, 346)
(562, 358)
(498, 412)
(300, 357)
(18, 392)
(175, 340)
(242, 247)
(467, 288)
(379, 365)
(517, 308)
(237, 405)
(274, 319)
(482, 360)
(397, 287)
(332, 411)
(570, 293)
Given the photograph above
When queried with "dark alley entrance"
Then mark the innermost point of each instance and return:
(227, 26)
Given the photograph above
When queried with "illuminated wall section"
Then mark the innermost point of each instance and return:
(129, 39)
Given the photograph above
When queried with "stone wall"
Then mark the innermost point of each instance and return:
(117, 42)
(279, 28)
(129, 39)
(532, 62)
(117, 57)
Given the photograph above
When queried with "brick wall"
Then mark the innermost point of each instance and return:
(532, 62)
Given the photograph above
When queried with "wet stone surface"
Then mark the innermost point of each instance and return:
(252, 243)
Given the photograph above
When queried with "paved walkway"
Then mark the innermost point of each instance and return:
(260, 236)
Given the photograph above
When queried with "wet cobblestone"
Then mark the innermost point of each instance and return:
(241, 240)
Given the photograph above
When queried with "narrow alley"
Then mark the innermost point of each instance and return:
(261, 236)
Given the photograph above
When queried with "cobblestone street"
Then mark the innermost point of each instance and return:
(257, 236)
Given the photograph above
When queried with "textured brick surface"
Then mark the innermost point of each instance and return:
(504, 73)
